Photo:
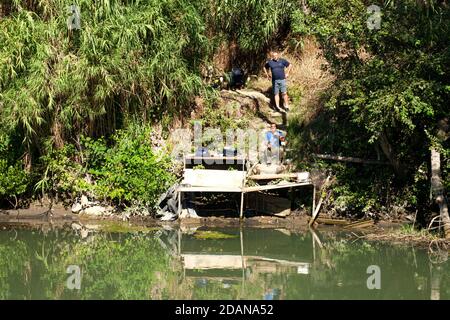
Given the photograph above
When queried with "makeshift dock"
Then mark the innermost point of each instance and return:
(232, 175)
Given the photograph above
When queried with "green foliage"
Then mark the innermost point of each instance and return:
(360, 191)
(125, 172)
(390, 93)
(124, 227)
(62, 175)
(140, 54)
(391, 82)
(145, 59)
(251, 23)
(14, 180)
(12, 264)
(205, 235)
(113, 266)
(129, 171)
(130, 58)
(125, 270)
(228, 117)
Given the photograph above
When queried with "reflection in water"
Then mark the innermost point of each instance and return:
(176, 264)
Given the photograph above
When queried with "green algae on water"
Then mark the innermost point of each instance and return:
(204, 235)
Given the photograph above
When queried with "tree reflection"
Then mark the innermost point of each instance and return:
(174, 264)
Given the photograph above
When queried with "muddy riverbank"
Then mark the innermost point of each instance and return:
(39, 216)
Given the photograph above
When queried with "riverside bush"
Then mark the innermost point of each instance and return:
(14, 180)
(129, 171)
(63, 177)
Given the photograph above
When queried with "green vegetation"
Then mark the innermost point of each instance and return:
(34, 263)
(129, 59)
(203, 235)
(391, 92)
(112, 267)
(77, 106)
(129, 171)
(14, 181)
(116, 227)
(126, 171)
(12, 261)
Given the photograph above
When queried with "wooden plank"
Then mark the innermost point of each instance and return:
(300, 176)
(213, 160)
(360, 224)
(332, 221)
(214, 178)
(273, 176)
(276, 186)
(209, 189)
(319, 205)
(349, 159)
(212, 261)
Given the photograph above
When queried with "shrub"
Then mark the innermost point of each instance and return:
(61, 175)
(129, 172)
(14, 180)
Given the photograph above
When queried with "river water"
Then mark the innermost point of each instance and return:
(227, 263)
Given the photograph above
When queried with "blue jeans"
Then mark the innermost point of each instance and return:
(273, 155)
(279, 85)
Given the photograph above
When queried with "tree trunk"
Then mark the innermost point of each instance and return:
(436, 276)
(438, 191)
(58, 139)
(389, 153)
(5, 8)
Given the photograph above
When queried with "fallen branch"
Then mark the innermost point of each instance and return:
(360, 224)
(332, 221)
(319, 205)
(349, 159)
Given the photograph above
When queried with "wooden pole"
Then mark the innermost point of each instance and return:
(241, 234)
(273, 176)
(314, 200)
(241, 211)
(438, 191)
(179, 242)
(180, 208)
(244, 181)
(349, 159)
(317, 209)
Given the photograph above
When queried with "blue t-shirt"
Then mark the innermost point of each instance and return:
(274, 140)
(277, 67)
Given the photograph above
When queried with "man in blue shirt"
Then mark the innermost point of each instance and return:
(280, 69)
(274, 139)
